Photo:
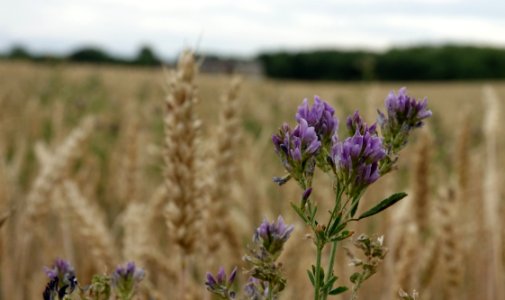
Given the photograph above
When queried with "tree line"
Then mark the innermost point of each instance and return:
(144, 57)
(447, 62)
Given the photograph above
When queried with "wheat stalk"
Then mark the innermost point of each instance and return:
(421, 185)
(89, 226)
(451, 248)
(52, 172)
(181, 127)
(218, 222)
(406, 266)
(491, 193)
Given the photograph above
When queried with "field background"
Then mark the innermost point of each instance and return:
(445, 245)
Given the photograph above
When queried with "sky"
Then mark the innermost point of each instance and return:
(244, 28)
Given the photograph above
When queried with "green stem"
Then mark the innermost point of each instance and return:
(329, 272)
(317, 282)
(270, 292)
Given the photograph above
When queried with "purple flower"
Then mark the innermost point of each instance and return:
(272, 236)
(126, 278)
(402, 109)
(220, 284)
(356, 160)
(355, 123)
(320, 116)
(256, 289)
(62, 280)
(296, 147)
(403, 114)
(297, 144)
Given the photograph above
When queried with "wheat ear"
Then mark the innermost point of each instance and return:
(491, 193)
(89, 226)
(218, 221)
(181, 129)
(450, 250)
(421, 185)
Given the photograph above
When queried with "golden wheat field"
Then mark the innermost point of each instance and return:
(94, 169)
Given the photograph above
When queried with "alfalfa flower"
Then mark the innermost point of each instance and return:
(62, 280)
(273, 236)
(220, 284)
(355, 124)
(297, 149)
(125, 280)
(256, 289)
(403, 114)
(356, 159)
(268, 241)
(320, 116)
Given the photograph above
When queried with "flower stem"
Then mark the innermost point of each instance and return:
(270, 293)
(329, 272)
(317, 282)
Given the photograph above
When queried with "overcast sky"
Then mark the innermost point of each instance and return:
(247, 27)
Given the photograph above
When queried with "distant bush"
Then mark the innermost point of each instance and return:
(94, 55)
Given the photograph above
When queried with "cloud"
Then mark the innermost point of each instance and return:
(246, 27)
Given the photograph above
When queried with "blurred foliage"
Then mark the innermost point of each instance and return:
(145, 56)
(448, 62)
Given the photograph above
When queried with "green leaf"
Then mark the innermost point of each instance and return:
(383, 205)
(329, 284)
(345, 234)
(313, 213)
(321, 274)
(338, 290)
(354, 207)
(311, 277)
(299, 212)
(334, 225)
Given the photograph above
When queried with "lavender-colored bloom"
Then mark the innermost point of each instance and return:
(273, 236)
(126, 278)
(255, 289)
(355, 123)
(296, 147)
(220, 284)
(357, 158)
(320, 116)
(402, 109)
(403, 115)
(62, 280)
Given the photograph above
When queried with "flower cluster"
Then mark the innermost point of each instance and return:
(309, 143)
(220, 285)
(268, 241)
(356, 124)
(297, 148)
(256, 289)
(356, 159)
(320, 116)
(125, 280)
(62, 280)
(403, 114)
(266, 280)
(272, 236)
(354, 162)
